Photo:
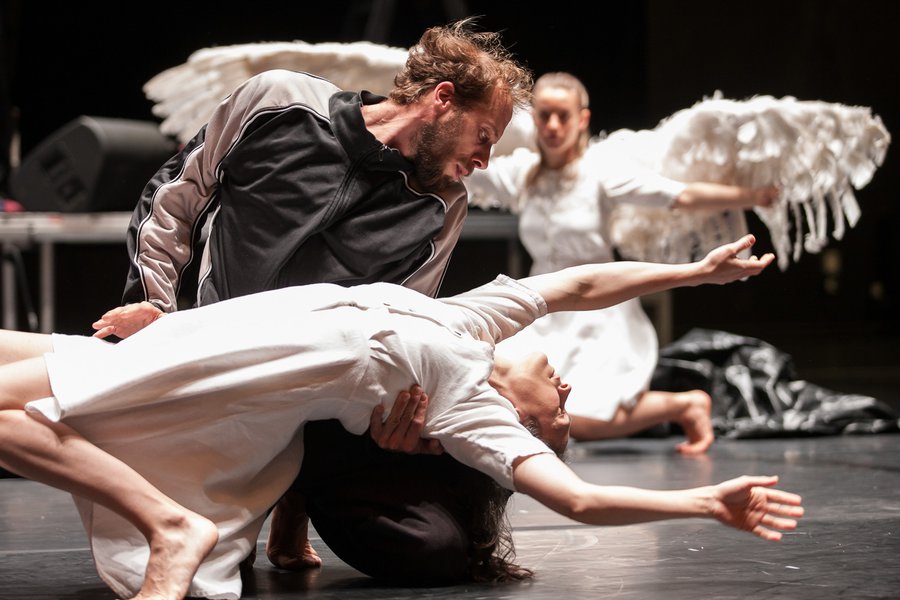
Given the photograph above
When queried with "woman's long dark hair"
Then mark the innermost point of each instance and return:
(493, 550)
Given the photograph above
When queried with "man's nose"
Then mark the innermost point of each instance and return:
(481, 158)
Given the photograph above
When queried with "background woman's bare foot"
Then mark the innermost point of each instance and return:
(696, 421)
(176, 552)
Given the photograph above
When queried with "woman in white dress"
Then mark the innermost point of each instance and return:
(564, 194)
(175, 457)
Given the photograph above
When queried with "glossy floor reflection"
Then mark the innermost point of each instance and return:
(848, 545)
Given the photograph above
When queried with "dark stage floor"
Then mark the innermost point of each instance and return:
(848, 545)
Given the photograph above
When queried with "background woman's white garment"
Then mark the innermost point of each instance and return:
(608, 355)
(208, 403)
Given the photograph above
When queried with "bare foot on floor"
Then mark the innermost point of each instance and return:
(300, 559)
(288, 546)
(696, 421)
(175, 554)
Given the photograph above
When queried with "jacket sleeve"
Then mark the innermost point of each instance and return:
(167, 223)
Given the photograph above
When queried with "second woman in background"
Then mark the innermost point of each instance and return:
(564, 195)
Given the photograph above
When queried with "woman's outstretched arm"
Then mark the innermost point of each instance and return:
(593, 286)
(748, 503)
(705, 195)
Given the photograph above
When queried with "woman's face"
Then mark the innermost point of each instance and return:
(541, 396)
(559, 120)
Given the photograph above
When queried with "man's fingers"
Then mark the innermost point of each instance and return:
(413, 405)
(412, 413)
(397, 411)
(421, 407)
(402, 430)
(432, 446)
(410, 434)
(375, 425)
(104, 332)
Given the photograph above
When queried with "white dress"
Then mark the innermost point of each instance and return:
(608, 355)
(208, 404)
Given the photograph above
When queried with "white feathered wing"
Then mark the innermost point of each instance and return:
(185, 95)
(816, 152)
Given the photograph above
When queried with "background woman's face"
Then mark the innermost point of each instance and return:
(558, 119)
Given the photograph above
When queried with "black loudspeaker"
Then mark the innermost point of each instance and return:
(93, 164)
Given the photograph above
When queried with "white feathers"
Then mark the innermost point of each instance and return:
(185, 96)
(815, 152)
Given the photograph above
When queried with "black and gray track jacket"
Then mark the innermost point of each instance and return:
(288, 187)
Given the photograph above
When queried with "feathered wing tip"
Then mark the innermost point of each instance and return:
(816, 152)
(185, 95)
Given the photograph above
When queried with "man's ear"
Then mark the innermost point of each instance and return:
(444, 96)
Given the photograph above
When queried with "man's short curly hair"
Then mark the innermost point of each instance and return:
(475, 62)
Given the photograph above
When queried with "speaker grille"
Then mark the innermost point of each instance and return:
(92, 164)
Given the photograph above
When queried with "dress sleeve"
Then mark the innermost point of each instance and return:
(499, 309)
(624, 181)
(484, 433)
(501, 185)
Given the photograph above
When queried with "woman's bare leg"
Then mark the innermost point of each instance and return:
(288, 545)
(19, 345)
(690, 410)
(54, 454)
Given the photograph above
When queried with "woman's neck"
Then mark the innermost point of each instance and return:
(560, 160)
(499, 375)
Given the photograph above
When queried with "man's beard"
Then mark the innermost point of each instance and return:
(436, 144)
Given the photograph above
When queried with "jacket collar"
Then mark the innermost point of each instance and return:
(357, 141)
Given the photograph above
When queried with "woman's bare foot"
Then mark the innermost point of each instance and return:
(696, 421)
(176, 551)
(288, 546)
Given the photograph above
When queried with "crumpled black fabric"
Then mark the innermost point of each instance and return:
(756, 392)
